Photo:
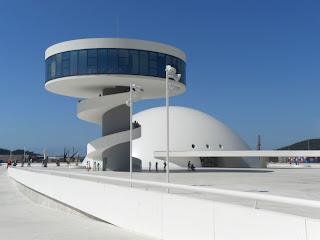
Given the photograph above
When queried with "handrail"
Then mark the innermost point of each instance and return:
(253, 196)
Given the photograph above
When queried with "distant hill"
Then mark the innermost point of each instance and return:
(16, 152)
(311, 144)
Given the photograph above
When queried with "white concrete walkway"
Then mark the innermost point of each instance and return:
(20, 218)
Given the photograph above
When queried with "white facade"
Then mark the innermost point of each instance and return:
(190, 130)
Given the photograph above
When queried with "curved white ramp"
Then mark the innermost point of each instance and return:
(98, 146)
(110, 111)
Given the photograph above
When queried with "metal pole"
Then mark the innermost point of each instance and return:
(117, 26)
(130, 133)
(167, 108)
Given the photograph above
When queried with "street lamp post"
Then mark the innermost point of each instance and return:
(170, 73)
(136, 89)
(130, 133)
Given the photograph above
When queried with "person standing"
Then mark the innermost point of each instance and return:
(189, 165)
(149, 166)
(156, 166)
(192, 167)
(98, 166)
(9, 163)
(164, 166)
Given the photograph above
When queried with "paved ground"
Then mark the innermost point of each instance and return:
(297, 182)
(20, 218)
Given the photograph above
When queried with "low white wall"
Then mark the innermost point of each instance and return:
(169, 216)
(293, 165)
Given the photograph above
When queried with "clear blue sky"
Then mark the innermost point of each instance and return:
(254, 65)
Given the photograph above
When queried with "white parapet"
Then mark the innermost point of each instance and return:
(167, 216)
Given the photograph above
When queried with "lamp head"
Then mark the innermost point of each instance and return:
(177, 77)
(170, 70)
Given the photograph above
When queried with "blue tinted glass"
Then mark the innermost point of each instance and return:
(92, 61)
(144, 63)
(66, 72)
(153, 72)
(92, 53)
(123, 61)
(124, 69)
(134, 62)
(184, 72)
(48, 70)
(161, 65)
(153, 64)
(65, 64)
(168, 60)
(174, 62)
(179, 68)
(65, 56)
(59, 64)
(73, 62)
(82, 62)
(123, 53)
(112, 60)
(53, 67)
(153, 56)
(92, 69)
(102, 60)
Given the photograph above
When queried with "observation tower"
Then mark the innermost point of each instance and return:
(100, 71)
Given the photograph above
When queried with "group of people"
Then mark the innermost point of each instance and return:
(13, 163)
(96, 167)
(190, 166)
(156, 166)
(45, 162)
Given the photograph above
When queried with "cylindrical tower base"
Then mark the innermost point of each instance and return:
(114, 121)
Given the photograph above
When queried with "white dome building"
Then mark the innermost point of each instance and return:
(190, 130)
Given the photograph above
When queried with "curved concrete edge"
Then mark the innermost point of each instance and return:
(92, 110)
(124, 43)
(98, 146)
(91, 85)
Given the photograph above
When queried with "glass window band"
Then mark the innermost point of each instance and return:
(112, 61)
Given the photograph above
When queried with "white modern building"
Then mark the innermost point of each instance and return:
(101, 71)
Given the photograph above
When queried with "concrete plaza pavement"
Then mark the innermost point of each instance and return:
(20, 218)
